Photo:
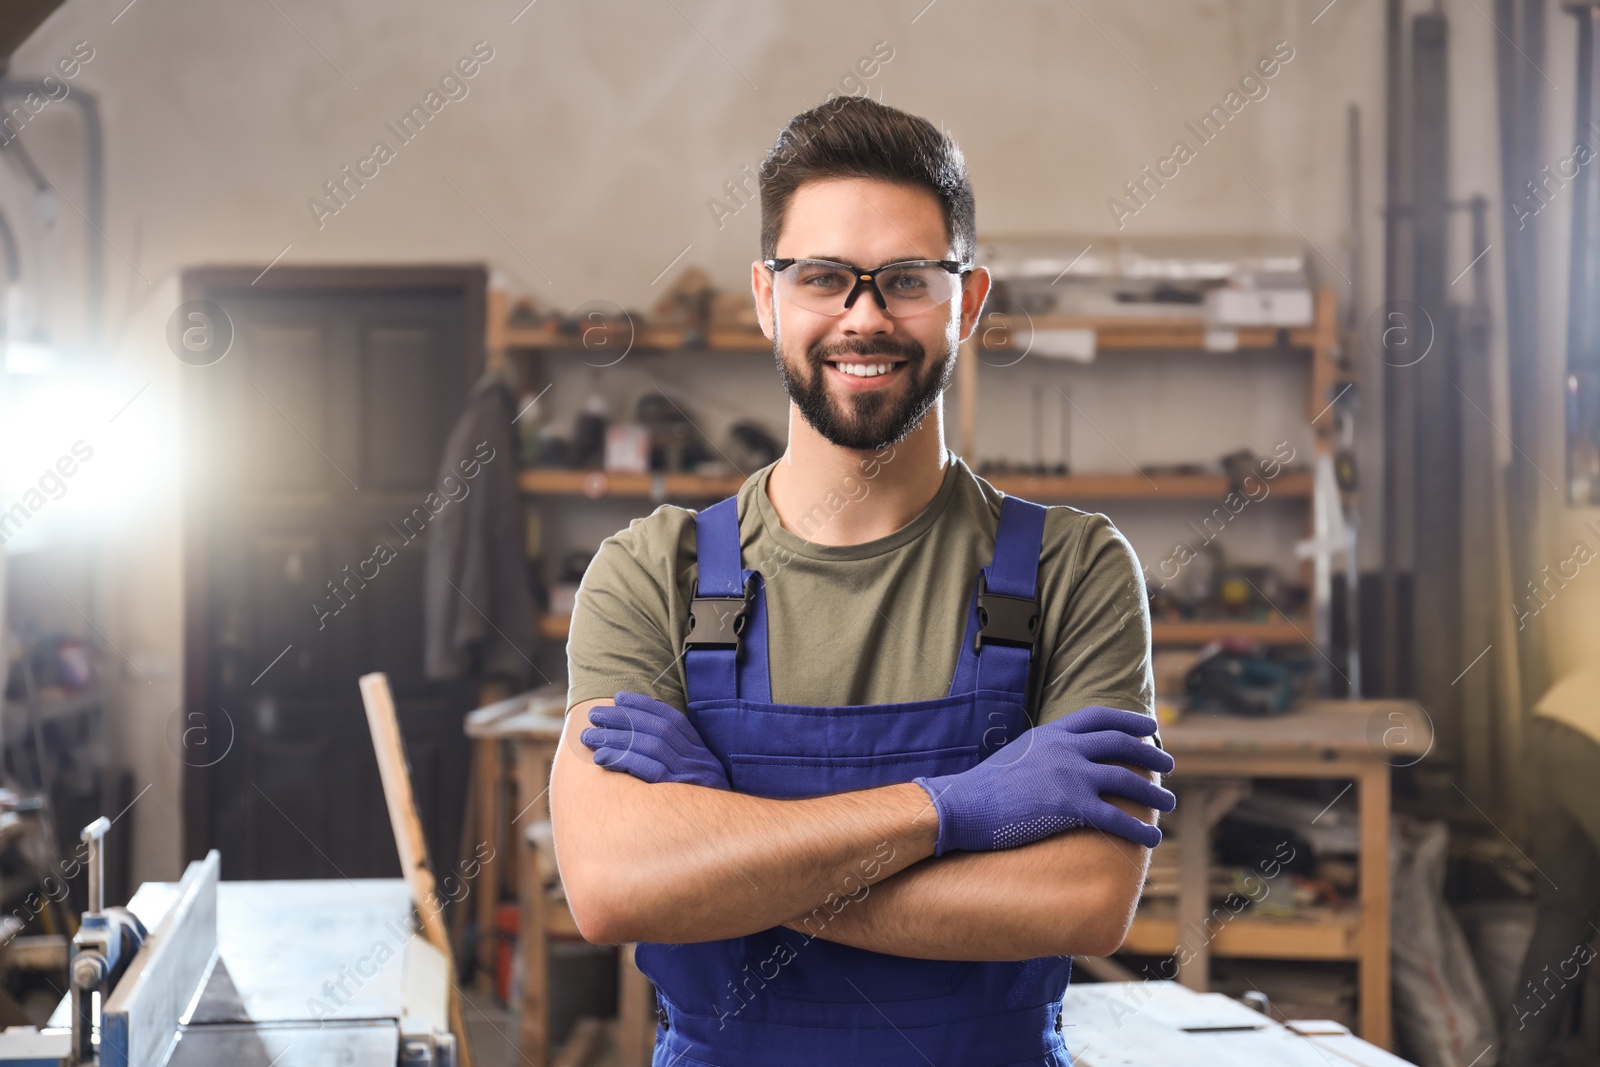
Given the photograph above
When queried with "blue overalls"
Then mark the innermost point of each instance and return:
(780, 996)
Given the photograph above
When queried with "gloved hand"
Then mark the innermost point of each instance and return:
(652, 741)
(1049, 780)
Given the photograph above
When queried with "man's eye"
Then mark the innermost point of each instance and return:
(908, 283)
(822, 280)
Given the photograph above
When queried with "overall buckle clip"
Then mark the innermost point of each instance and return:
(1007, 620)
(718, 621)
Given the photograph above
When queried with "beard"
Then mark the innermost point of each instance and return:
(869, 420)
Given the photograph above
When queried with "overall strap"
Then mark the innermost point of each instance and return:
(725, 650)
(1005, 617)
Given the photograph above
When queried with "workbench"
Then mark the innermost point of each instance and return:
(1164, 1024)
(1357, 741)
(524, 732)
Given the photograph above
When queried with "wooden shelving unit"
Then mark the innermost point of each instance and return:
(610, 337)
(1318, 341)
(1357, 934)
(1152, 333)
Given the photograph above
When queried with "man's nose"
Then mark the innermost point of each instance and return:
(864, 316)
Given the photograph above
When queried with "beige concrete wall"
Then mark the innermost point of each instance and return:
(581, 162)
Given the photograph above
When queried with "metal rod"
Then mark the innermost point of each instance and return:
(92, 835)
(1393, 132)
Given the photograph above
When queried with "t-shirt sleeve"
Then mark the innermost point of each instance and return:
(1101, 654)
(622, 636)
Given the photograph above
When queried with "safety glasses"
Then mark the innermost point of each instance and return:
(910, 287)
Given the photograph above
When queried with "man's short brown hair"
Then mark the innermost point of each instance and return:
(857, 137)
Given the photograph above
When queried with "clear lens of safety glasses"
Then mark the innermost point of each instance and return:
(901, 289)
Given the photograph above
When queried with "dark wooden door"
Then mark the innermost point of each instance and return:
(308, 443)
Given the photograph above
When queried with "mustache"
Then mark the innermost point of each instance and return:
(908, 349)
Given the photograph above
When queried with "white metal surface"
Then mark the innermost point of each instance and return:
(139, 1020)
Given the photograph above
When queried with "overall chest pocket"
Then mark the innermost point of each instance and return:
(793, 777)
(789, 751)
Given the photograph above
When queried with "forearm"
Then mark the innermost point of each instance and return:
(681, 863)
(1073, 893)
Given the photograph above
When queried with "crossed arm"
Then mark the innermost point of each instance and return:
(678, 863)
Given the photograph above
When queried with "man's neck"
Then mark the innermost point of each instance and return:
(839, 496)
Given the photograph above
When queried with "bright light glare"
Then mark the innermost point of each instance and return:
(28, 357)
(76, 458)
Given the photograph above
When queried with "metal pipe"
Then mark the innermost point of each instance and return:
(94, 210)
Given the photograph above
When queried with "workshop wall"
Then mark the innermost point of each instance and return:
(587, 157)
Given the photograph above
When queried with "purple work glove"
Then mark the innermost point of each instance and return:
(1049, 780)
(652, 741)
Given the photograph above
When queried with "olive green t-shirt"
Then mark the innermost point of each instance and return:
(874, 623)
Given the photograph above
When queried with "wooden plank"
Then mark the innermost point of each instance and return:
(1335, 937)
(540, 916)
(1273, 631)
(1377, 730)
(496, 325)
(636, 1014)
(1373, 795)
(1194, 887)
(597, 484)
(1324, 339)
(1123, 486)
(1131, 333)
(1111, 332)
(1103, 486)
(489, 806)
(389, 748)
(533, 950)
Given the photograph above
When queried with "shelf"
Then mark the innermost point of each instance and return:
(609, 341)
(598, 484)
(1134, 333)
(1332, 936)
(1042, 488)
(554, 628)
(1137, 486)
(1279, 631)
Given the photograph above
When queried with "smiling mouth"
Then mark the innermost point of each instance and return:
(866, 368)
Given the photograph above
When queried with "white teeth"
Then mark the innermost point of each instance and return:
(864, 370)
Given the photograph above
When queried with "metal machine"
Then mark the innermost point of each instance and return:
(250, 974)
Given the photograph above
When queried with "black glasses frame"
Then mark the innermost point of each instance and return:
(869, 278)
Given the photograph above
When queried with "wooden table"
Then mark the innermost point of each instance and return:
(525, 731)
(1359, 741)
(1355, 740)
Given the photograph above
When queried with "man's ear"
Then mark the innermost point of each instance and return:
(974, 292)
(761, 288)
